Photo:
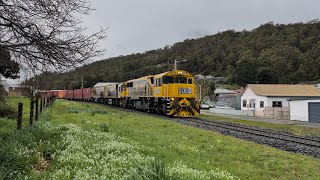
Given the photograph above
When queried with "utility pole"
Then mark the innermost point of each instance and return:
(81, 82)
(176, 62)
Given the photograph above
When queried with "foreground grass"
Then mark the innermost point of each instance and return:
(298, 130)
(189, 149)
(76, 140)
(8, 125)
(78, 148)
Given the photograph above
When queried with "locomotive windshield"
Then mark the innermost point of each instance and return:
(177, 80)
(181, 80)
(167, 80)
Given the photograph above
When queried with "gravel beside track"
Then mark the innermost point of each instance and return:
(308, 145)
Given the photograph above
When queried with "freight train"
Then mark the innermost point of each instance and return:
(173, 93)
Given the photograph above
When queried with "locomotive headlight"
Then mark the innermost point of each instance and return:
(172, 99)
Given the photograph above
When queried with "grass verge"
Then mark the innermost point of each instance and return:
(82, 148)
(8, 124)
(189, 149)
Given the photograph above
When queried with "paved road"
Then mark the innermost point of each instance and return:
(290, 122)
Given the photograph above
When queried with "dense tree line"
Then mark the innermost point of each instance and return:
(271, 53)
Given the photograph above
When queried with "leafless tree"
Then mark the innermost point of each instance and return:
(47, 33)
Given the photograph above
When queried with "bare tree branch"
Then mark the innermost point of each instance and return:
(47, 33)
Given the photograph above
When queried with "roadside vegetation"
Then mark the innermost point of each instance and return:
(298, 130)
(9, 114)
(70, 147)
(75, 140)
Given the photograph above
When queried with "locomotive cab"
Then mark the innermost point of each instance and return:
(178, 93)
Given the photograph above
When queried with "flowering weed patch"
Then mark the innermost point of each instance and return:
(20, 151)
(90, 154)
(69, 151)
(192, 153)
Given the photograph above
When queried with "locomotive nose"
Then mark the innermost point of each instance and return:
(183, 107)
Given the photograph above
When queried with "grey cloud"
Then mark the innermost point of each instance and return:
(140, 25)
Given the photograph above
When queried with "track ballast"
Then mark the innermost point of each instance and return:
(278, 139)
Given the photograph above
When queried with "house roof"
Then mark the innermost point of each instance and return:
(239, 90)
(293, 90)
(101, 84)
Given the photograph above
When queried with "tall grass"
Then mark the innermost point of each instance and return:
(6, 110)
(72, 151)
(21, 150)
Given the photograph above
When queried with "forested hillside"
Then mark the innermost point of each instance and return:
(271, 53)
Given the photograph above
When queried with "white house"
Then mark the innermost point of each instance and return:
(283, 101)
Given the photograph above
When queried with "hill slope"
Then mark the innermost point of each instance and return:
(271, 53)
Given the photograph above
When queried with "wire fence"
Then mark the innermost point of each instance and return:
(37, 105)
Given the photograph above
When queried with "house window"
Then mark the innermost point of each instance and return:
(244, 103)
(261, 104)
(276, 103)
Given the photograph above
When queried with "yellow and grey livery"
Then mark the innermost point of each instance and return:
(173, 93)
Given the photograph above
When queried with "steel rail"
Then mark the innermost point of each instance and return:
(259, 132)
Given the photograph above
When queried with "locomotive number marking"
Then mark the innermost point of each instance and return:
(185, 90)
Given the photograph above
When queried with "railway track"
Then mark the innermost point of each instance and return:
(277, 139)
(306, 141)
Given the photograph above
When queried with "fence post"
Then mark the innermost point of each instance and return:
(19, 120)
(37, 109)
(31, 110)
(44, 103)
(41, 105)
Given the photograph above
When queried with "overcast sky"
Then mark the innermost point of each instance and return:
(141, 25)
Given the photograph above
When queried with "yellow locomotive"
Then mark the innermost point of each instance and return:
(173, 93)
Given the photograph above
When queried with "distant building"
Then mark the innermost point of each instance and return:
(283, 101)
(239, 91)
(227, 97)
(15, 90)
(5, 85)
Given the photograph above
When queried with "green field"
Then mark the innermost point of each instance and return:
(76, 140)
(9, 124)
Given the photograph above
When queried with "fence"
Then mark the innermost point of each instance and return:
(232, 111)
(35, 109)
(278, 113)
